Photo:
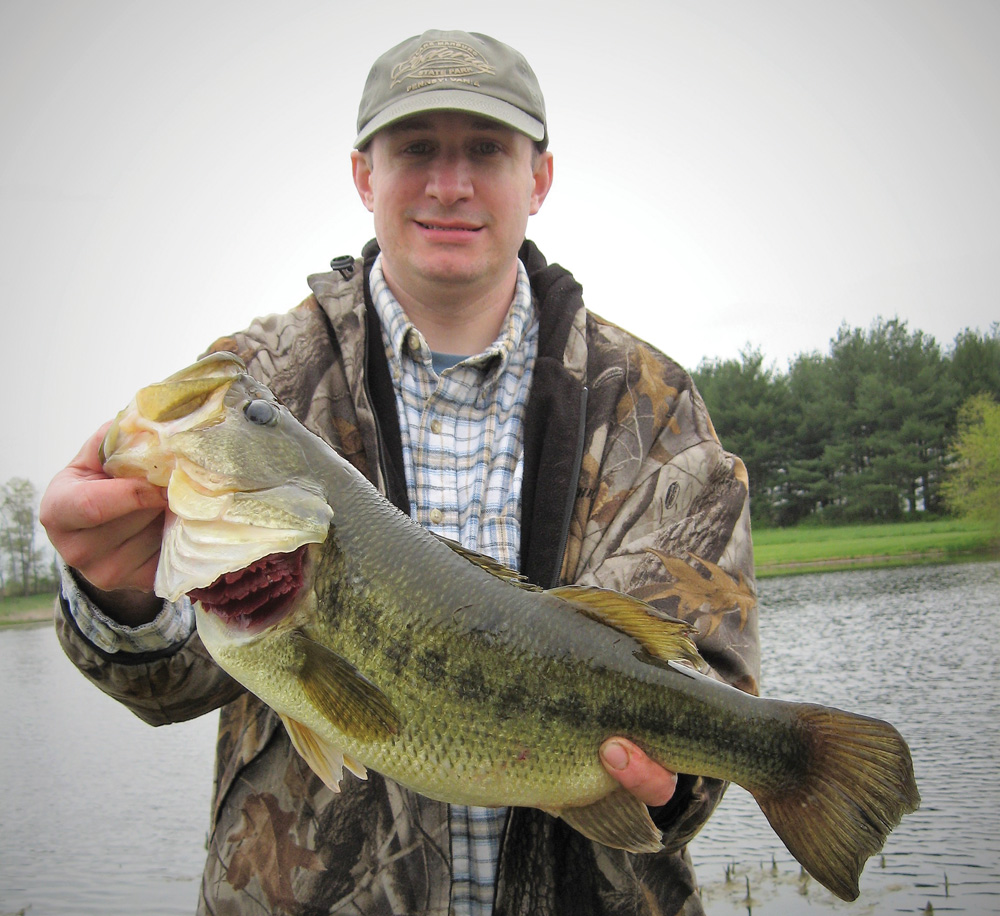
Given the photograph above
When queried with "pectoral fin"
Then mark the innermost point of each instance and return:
(347, 699)
(618, 820)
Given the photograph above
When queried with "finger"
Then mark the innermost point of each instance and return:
(115, 554)
(72, 503)
(132, 566)
(108, 529)
(83, 496)
(114, 501)
(646, 780)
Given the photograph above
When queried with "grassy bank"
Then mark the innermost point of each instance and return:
(25, 609)
(778, 552)
(781, 551)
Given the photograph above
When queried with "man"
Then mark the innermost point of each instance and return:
(463, 376)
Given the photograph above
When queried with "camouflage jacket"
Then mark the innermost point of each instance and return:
(625, 486)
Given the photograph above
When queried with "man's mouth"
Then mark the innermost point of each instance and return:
(446, 227)
(257, 596)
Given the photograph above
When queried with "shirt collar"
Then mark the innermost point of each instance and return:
(404, 341)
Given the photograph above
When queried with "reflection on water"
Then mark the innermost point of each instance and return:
(100, 814)
(916, 646)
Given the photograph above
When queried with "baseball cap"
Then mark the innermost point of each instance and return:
(452, 71)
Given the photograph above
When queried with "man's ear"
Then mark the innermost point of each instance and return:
(543, 181)
(361, 166)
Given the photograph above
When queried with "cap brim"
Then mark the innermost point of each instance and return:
(453, 100)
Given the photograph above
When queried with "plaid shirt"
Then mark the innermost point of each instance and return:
(462, 430)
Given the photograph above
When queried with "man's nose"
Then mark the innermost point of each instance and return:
(450, 180)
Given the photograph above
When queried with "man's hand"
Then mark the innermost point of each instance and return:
(109, 530)
(647, 781)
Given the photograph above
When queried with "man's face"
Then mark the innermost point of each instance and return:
(451, 194)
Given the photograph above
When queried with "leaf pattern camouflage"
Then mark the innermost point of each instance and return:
(264, 848)
(660, 511)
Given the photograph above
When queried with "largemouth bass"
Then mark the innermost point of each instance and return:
(382, 645)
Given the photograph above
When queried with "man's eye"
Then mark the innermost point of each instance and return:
(487, 148)
(261, 412)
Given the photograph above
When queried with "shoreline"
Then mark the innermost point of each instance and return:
(32, 617)
(873, 561)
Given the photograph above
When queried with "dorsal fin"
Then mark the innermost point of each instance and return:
(488, 564)
(665, 638)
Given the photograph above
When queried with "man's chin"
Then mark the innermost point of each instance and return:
(452, 268)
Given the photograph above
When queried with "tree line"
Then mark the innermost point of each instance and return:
(866, 432)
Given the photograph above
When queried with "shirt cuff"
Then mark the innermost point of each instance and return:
(172, 626)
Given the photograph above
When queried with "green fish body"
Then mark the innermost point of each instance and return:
(382, 645)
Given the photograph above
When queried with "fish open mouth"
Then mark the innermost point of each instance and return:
(257, 596)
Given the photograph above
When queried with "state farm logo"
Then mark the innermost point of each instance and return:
(441, 61)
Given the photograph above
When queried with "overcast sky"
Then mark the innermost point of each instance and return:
(767, 168)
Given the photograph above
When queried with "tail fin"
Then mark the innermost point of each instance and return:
(857, 785)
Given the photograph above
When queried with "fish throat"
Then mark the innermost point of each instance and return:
(258, 595)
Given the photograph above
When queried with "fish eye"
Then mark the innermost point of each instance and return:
(261, 412)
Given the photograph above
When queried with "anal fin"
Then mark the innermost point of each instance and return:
(618, 820)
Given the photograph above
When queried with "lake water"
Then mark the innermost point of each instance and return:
(101, 814)
(916, 646)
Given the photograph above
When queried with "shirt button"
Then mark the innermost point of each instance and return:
(437, 516)
(413, 340)
(436, 427)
